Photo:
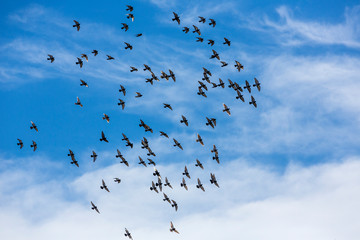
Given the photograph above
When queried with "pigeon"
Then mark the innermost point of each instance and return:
(184, 120)
(212, 22)
(238, 66)
(95, 52)
(125, 26)
(141, 161)
(247, 86)
(199, 140)
(103, 186)
(153, 187)
(183, 184)
(94, 207)
(138, 95)
(186, 29)
(122, 89)
(78, 102)
(128, 46)
(85, 56)
(166, 198)
(117, 180)
(20, 143)
(103, 138)
(94, 156)
(138, 35)
(33, 126)
(163, 134)
(128, 234)
(80, 62)
(174, 204)
(226, 109)
(172, 228)
(110, 57)
(253, 102)
(214, 55)
(167, 183)
(51, 58)
(176, 18)
(224, 64)
(83, 83)
(227, 41)
(202, 19)
(130, 15)
(122, 103)
(199, 39)
(133, 69)
(177, 144)
(186, 173)
(196, 30)
(199, 185)
(211, 42)
(129, 8)
(106, 117)
(199, 164)
(213, 180)
(34, 145)
(257, 84)
(77, 25)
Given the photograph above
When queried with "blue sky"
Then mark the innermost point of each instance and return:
(304, 133)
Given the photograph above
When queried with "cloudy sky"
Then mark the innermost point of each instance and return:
(289, 169)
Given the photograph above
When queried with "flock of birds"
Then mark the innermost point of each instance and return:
(158, 184)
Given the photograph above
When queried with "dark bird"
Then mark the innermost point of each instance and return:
(122, 103)
(237, 87)
(164, 75)
(202, 85)
(83, 83)
(201, 92)
(138, 35)
(206, 78)
(154, 77)
(117, 180)
(156, 172)
(33, 126)
(133, 69)
(226, 109)
(253, 102)
(122, 89)
(227, 41)
(196, 30)
(77, 25)
(153, 187)
(231, 84)
(199, 140)
(150, 153)
(224, 64)
(130, 15)
(125, 26)
(159, 184)
(145, 143)
(167, 183)
(238, 66)
(177, 144)
(186, 173)
(95, 52)
(147, 128)
(166, 198)
(216, 157)
(106, 117)
(85, 56)
(172, 75)
(34, 145)
(78, 102)
(257, 84)
(184, 120)
(174, 205)
(214, 150)
(163, 134)
(202, 19)
(127, 234)
(176, 18)
(149, 80)
(138, 95)
(146, 67)
(247, 86)
(199, 164)
(186, 29)
(80, 62)
(20, 143)
(103, 186)
(207, 71)
(210, 122)
(215, 55)
(128, 143)
(94, 207)
(151, 162)
(212, 22)
(199, 39)
(51, 58)
(73, 160)
(141, 161)
(123, 160)
(221, 83)
(103, 138)
(199, 185)
(129, 8)
(183, 184)
(94, 156)
(128, 46)
(213, 180)
(172, 228)
(211, 42)
(110, 57)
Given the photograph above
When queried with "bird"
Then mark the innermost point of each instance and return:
(138, 95)
(202, 19)
(122, 89)
(153, 187)
(199, 39)
(186, 29)
(51, 58)
(129, 8)
(174, 205)
(159, 184)
(163, 134)
(227, 41)
(172, 228)
(213, 180)
(150, 153)
(202, 85)
(216, 157)
(177, 144)
(186, 173)
(224, 64)
(212, 22)
(103, 138)
(94, 207)
(73, 160)
(238, 65)
(94, 156)
(199, 185)
(226, 109)
(146, 67)
(196, 30)
(221, 83)
(253, 102)
(78, 102)
(83, 83)
(125, 26)
(149, 80)
(183, 184)
(138, 35)
(199, 140)
(117, 180)
(257, 84)
(106, 117)
(164, 75)
(110, 57)
(199, 164)
(95, 52)
(128, 143)
(33, 126)
(156, 172)
(34, 145)
(214, 55)
(128, 45)
(133, 69)
(231, 84)
(103, 186)
(83, 55)
(237, 87)
(77, 25)
(247, 86)
(80, 62)
(201, 92)
(167, 183)
(122, 103)
(214, 150)
(172, 75)
(151, 162)
(20, 143)
(207, 71)
(123, 160)
(141, 161)
(184, 120)
(210, 122)
(128, 234)
(130, 15)
(166, 198)
(176, 18)
(211, 42)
